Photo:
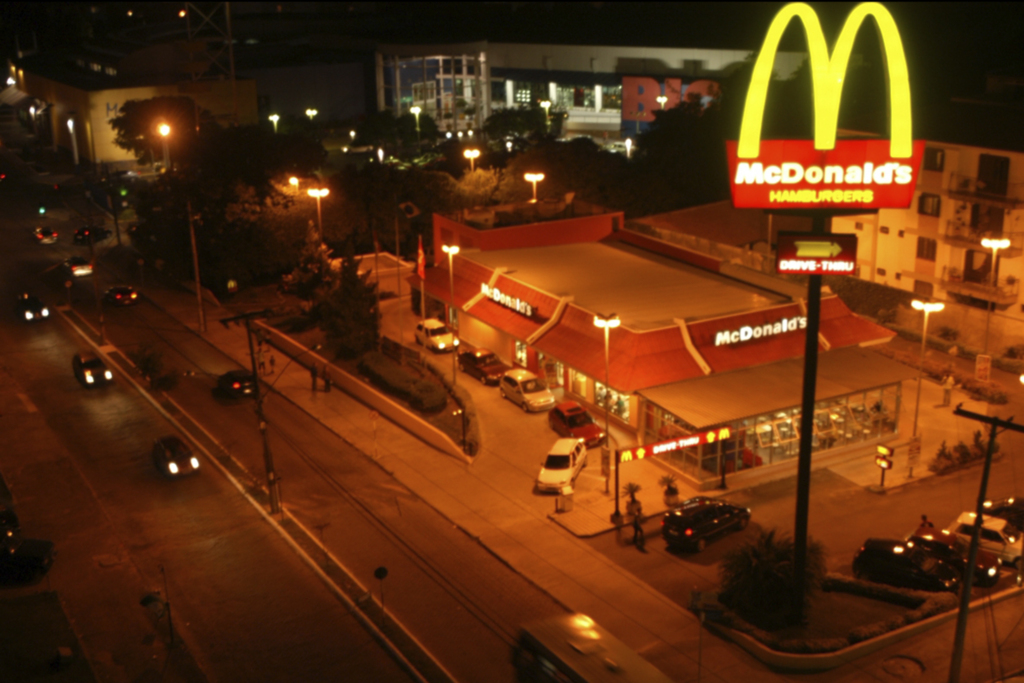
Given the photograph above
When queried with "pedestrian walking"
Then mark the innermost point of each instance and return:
(261, 361)
(926, 522)
(327, 380)
(312, 373)
(273, 362)
(948, 383)
(638, 531)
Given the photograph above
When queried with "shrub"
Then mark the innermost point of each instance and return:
(948, 333)
(1016, 352)
(465, 401)
(943, 461)
(396, 380)
(427, 396)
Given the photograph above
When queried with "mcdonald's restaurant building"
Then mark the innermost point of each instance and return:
(704, 372)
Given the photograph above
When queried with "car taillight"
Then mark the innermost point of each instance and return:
(663, 521)
(688, 532)
(117, 296)
(134, 295)
(236, 385)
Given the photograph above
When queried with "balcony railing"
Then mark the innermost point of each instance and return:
(963, 235)
(1005, 291)
(972, 189)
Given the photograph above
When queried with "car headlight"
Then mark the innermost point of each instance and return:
(456, 342)
(172, 467)
(440, 345)
(108, 374)
(46, 312)
(28, 315)
(88, 378)
(195, 463)
(992, 571)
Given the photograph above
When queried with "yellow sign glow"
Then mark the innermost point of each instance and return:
(827, 75)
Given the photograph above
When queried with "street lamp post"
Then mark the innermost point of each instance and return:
(318, 194)
(164, 131)
(534, 178)
(995, 246)
(508, 146)
(380, 154)
(416, 112)
(607, 323)
(629, 148)
(274, 118)
(352, 134)
(927, 308)
(311, 113)
(546, 106)
(74, 141)
(661, 99)
(472, 155)
(452, 251)
(294, 182)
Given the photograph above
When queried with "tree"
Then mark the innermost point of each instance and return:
(136, 127)
(515, 122)
(477, 188)
(757, 579)
(348, 313)
(313, 277)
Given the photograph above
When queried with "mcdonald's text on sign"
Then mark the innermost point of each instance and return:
(825, 172)
(641, 452)
(806, 254)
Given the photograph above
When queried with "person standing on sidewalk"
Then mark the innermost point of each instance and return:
(327, 380)
(312, 373)
(638, 531)
(261, 361)
(948, 383)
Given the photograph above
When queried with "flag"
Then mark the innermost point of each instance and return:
(421, 261)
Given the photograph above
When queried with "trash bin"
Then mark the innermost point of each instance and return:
(563, 503)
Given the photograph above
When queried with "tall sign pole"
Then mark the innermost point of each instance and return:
(821, 178)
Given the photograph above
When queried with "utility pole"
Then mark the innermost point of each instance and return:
(195, 267)
(95, 286)
(273, 482)
(972, 553)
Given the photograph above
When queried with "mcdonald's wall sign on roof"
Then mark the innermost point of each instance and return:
(825, 172)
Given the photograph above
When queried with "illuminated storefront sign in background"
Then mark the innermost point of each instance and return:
(682, 442)
(816, 255)
(749, 332)
(501, 298)
(826, 173)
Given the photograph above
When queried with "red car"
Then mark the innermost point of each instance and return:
(569, 419)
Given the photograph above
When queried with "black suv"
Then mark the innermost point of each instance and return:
(901, 564)
(699, 520)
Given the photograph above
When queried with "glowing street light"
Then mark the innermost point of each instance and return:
(380, 154)
(508, 146)
(274, 118)
(995, 246)
(294, 182)
(74, 140)
(318, 193)
(546, 106)
(164, 131)
(452, 251)
(661, 99)
(352, 134)
(416, 112)
(534, 178)
(472, 155)
(607, 323)
(311, 113)
(927, 308)
(629, 148)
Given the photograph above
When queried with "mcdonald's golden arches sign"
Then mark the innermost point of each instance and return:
(826, 172)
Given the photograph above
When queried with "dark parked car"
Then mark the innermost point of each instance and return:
(90, 370)
(122, 295)
(173, 457)
(482, 364)
(98, 235)
(31, 308)
(571, 420)
(901, 564)
(237, 383)
(952, 549)
(9, 524)
(1010, 509)
(699, 520)
(24, 559)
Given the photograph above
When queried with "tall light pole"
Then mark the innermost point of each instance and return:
(416, 112)
(274, 118)
(995, 246)
(74, 140)
(546, 106)
(352, 134)
(661, 99)
(164, 131)
(319, 193)
(534, 178)
(452, 251)
(928, 309)
(607, 323)
(472, 155)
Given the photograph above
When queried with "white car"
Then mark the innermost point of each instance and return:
(998, 536)
(527, 390)
(566, 458)
(435, 335)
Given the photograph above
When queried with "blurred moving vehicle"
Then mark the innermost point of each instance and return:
(173, 457)
(45, 235)
(79, 266)
(525, 389)
(482, 364)
(237, 383)
(122, 295)
(565, 460)
(570, 419)
(435, 335)
(701, 519)
(31, 308)
(998, 536)
(82, 235)
(899, 564)
(90, 370)
(952, 549)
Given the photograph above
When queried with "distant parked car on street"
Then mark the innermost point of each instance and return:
(699, 520)
(899, 564)
(526, 390)
(997, 536)
(952, 549)
(570, 419)
(482, 364)
(1010, 509)
(565, 460)
(435, 335)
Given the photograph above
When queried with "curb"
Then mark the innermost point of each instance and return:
(823, 662)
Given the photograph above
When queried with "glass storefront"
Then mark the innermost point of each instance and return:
(611, 97)
(522, 354)
(774, 437)
(618, 404)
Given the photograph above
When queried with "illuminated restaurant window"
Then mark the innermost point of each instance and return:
(521, 355)
(578, 383)
(618, 404)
